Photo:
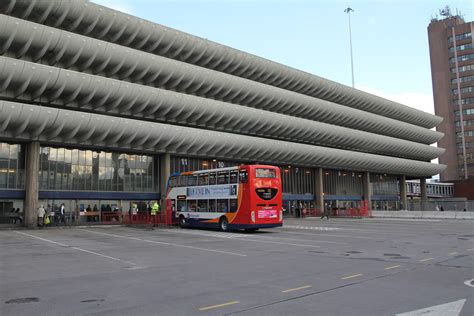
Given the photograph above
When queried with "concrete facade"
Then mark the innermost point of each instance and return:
(449, 65)
(78, 75)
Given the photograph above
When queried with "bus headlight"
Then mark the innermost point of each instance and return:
(252, 215)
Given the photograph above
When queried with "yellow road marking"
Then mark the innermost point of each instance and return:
(219, 305)
(472, 249)
(351, 276)
(453, 253)
(392, 267)
(296, 289)
(427, 259)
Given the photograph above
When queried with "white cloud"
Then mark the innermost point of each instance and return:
(417, 100)
(118, 5)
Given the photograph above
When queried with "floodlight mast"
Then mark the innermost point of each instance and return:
(348, 11)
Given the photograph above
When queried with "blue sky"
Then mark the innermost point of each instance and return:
(390, 42)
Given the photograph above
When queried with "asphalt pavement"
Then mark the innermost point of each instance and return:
(307, 267)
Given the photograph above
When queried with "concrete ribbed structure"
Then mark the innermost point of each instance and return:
(78, 74)
(93, 20)
(30, 122)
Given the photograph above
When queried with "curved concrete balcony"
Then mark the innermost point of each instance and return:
(83, 17)
(30, 82)
(60, 126)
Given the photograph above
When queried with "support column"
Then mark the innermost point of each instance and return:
(367, 189)
(403, 192)
(424, 196)
(165, 171)
(31, 183)
(319, 189)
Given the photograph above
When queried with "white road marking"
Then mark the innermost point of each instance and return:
(329, 235)
(448, 309)
(426, 259)
(77, 248)
(297, 289)
(469, 283)
(392, 267)
(237, 237)
(219, 305)
(312, 227)
(167, 243)
(351, 276)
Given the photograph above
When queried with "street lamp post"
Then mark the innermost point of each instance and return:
(348, 11)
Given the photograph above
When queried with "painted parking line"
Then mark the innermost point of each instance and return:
(239, 237)
(323, 228)
(297, 289)
(78, 249)
(426, 259)
(471, 249)
(453, 253)
(392, 267)
(167, 243)
(351, 276)
(218, 305)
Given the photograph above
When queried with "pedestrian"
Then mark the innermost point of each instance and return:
(40, 214)
(154, 212)
(441, 209)
(62, 214)
(325, 212)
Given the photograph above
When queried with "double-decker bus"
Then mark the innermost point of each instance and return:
(245, 197)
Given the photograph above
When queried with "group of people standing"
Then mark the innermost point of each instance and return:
(47, 216)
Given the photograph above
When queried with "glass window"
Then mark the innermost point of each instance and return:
(212, 178)
(223, 205)
(203, 179)
(265, 173)
(181, 206)
(182, 181)
(192, 180)
(223, 177)
(233, 205)
(192, 206)
(234, 176)
(212, 206)
(244, 176)
(202, 206)
(173, 182)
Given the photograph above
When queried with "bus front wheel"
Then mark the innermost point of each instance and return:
(224, 224)
(182, 221)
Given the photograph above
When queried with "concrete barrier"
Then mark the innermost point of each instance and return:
(423, 214)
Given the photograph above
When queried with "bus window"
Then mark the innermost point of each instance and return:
(234, 174)
(182, 181)
(233, 205)
(203, 179)
(265, 173)
(181, 206)
(192, 206)
(202, 206)
(173, 182)
(192, 180)
(212, 206)
(244, 176)
(222, 205)
(223, 177)
(212, 178)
